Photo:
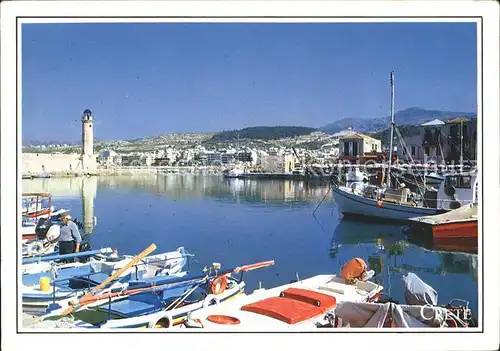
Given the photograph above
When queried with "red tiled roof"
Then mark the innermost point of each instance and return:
(458, 120)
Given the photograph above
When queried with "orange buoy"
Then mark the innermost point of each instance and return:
(221, 319)
(379, 203)
(353, 270)
(219, 285)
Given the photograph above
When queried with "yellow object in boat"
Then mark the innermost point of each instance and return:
(45, 284)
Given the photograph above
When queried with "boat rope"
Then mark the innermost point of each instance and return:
(403, 144)
(181, 298)
(323, 199)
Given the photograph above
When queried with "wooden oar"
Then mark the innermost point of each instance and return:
(251, 267)
(179, 300)
(133, 262)
(94, 298)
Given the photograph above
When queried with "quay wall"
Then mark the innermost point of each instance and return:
(58, 169)
(39, 163)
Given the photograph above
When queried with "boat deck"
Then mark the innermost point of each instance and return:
(244, 309)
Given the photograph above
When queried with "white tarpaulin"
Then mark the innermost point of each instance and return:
(417, 292)
(375, 315)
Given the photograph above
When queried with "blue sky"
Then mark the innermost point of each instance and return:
(144, 79)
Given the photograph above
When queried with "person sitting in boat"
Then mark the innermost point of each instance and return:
(70, 238)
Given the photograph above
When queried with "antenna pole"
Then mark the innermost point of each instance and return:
(461, 144)
(392, 131)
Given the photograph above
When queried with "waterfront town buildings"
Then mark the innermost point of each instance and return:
(441, 142)
(435, 141)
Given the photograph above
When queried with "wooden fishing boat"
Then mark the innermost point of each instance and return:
(72, 281)
(456, 224)
(46, 262)
(325, 301)
(154, 302)
(36, 204)
(400, 204)
(389, 205)
(47, 238)
(297, 306)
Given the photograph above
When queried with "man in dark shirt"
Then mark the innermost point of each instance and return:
(70, 238)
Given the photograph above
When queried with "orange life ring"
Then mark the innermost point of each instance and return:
(221, 319)
(219, 285)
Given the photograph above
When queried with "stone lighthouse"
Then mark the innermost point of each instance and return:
(87, 133)
(89, 161)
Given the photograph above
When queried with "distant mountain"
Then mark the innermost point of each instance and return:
(264, 133)
(410, 116)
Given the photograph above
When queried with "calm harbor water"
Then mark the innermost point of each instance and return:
(236, 222)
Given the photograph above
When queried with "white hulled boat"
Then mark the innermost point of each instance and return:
(236, 172)
(457, 189)
(299, 306)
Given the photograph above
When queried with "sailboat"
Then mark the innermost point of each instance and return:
(400, 204)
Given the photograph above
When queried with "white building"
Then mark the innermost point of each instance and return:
(109, 158)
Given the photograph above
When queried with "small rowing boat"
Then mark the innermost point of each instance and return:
(153, 302)
(71, 281)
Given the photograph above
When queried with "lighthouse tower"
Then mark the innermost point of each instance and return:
(87, 133)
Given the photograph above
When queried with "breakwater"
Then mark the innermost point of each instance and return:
(126, 170)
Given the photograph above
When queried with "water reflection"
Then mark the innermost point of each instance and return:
(63, 189)
(188, 186)
(238, 221)
(386, 250)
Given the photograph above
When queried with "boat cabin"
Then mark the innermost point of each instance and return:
(36, 204)
(458, 189)
(355, 174)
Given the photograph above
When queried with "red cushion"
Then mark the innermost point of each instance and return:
(312, 297)
(294, 305)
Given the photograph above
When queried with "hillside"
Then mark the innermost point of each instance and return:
(263, 133)
(259, 135)
(410, 116)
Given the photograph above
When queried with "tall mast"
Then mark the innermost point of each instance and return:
(392, 131)
(461, 142)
